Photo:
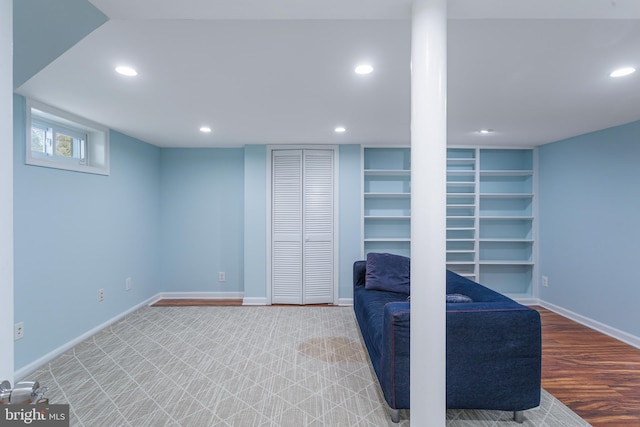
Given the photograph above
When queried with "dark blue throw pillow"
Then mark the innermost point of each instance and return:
(388, 272)
(458, 298)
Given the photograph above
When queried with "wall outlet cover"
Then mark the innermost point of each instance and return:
(18, 331)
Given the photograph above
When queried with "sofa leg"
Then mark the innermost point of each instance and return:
(518, 416)
(395, 415)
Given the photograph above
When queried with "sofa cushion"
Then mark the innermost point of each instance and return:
(388, 272)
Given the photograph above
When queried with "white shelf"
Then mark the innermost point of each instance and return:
(389, 217)
(387, 172)
(505, 240)
(387, 239)
(506, 172)
(503, 262)
(387, 195)
(506, 195)
(512, 217)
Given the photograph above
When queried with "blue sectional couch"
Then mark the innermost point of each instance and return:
(493, 346)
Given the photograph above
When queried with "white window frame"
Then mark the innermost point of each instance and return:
(94, 150)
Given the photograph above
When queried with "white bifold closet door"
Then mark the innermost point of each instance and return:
(302, 226)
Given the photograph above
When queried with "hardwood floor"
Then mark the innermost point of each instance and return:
(196, 302)
(598, 377)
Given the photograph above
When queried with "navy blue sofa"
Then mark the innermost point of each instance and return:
(493, 352)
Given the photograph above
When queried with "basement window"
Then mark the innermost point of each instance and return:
(57, 139)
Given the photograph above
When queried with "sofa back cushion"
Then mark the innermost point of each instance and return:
(388, 272)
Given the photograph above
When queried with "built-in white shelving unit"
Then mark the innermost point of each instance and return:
(490, 217)
(490, 212)
(462, 202)
(387, 200)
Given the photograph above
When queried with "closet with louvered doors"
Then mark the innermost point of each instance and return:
(302, 226)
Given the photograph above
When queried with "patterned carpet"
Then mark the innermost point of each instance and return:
(238, 366)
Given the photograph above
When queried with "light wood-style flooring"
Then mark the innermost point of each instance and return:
(598, 377)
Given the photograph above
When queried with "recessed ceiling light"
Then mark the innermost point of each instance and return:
(126, 71)
(621, 72)
(205, 129)
(363, 69)
(340, 129)
(485, 131)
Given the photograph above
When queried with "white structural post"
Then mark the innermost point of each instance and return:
(6, 190)
(428, 212)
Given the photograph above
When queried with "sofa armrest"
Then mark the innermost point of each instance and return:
(359, 273)
(493, 358)
(395, 360)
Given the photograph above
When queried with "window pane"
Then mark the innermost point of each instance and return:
(37, 139)
(64, 145)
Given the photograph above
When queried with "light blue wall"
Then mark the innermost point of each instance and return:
(350, 229)
(255, 225)
(202, 213)
(589, 206)
(76, 233)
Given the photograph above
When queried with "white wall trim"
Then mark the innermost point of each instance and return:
(593, 324)
(345, 302)
(525, 301)
(255, 301)
(21, 373)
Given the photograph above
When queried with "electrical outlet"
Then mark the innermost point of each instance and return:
(18, 331)
(221, 277)
(545, 281)
(127, 284)
(100, 295)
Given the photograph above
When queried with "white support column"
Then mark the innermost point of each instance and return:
(428, 212)
(6, 190)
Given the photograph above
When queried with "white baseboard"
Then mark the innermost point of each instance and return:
(21, 373)
(593, 324)
(526, 301)
(254, 301)
(345, 302)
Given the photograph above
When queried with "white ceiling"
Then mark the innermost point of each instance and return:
(281, 71)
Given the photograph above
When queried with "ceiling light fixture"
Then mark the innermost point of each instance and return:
(363, 69)
(126, 71)
(485, 131)
(621, 72)
(340, 129)
(205, 129)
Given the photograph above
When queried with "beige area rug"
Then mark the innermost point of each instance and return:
(239, 366)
